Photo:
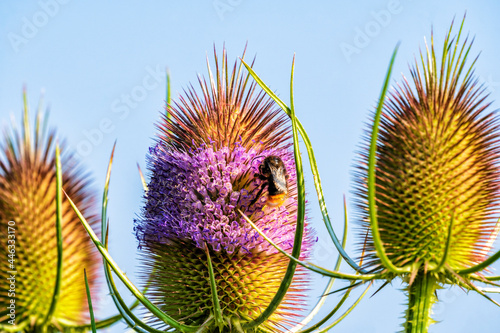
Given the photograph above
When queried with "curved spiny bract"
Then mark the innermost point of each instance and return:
(437, 157)
(436, 179)
(27, 197)
(203, 170)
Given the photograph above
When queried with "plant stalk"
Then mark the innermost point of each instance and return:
(421, 298)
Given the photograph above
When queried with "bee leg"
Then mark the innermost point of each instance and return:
(257, 197)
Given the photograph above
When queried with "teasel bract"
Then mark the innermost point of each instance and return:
(204, 178)
(28, 300)
(429, 204)
(427, 184)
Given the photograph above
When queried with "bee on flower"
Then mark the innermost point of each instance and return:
(218, 153)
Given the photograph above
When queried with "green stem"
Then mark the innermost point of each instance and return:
(421, 298)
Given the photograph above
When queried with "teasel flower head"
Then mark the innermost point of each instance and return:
(28, 229)
(437, 161)
(204, 172)
(436, 181)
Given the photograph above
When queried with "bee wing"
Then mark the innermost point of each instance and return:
(279, 179)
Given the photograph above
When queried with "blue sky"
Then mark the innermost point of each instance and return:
(101, 67)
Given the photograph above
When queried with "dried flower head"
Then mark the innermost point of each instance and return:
(27, 226)
(208, 164)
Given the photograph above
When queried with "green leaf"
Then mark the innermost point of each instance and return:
(143, 180)
(310, 266)
(219, 321)
(448, 244)
(329, 327)
(57, 286)
(89, 300)
(299, 231)
(379, 246)
(329, 286)
(126, 281)
(314, 169)
(125, 311)
(168, 96)
(330, 314)
(26, 123)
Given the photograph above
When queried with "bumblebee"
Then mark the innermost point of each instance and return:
(272, 171)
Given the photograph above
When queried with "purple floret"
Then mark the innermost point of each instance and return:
(195, 196)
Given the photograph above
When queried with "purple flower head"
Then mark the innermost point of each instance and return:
(210, 162)
(195, 196)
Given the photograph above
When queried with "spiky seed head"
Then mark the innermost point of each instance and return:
(437, 159)
(27, 198)
(204, 168)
